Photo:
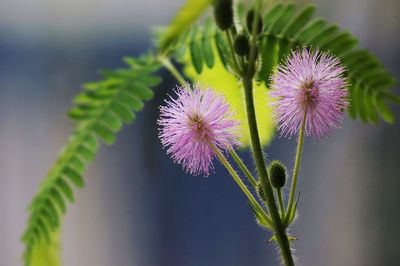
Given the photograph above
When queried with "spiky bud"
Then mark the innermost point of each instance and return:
(242, 45)
(250, 21)
(260, 191)
(277, 174)
(223, 13)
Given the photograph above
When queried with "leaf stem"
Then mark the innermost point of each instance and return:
(235, 60)
(280, 201)
(243, 167)
(253, 44)
(172, 69)
(239, 181)
(296, 166)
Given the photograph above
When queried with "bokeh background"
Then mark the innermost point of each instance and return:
(138, 208)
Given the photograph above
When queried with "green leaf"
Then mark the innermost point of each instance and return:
(269, 57)
(290, 238)
(141, 90)
(105, 133)
(85, 153)
(281, 21)
(74, 176)
(206, 44)
(313, 28)
(299, 21)
(272, 16)
(45, 231)
(325, 36)
(384, 110)
(131, 100)
(52, 211)
(148, 81)
(55, 194)
(78, 164)
(260, 218)
(183, 19)
(342, 39)
(112, 121)
(222, 49)
(65, 189)
(45, 252)
(195, 52)
(123, 112)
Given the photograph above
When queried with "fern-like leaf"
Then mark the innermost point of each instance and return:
(101, 110)
(198, 43)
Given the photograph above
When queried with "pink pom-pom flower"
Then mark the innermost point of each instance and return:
(194, 124)
(310, 84)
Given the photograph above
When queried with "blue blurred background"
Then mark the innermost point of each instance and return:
(137, 207)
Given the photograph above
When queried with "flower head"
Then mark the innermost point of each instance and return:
(309, 85)
(194, 124)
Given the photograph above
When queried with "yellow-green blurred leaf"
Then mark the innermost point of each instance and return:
(224, 82)
(183, 19)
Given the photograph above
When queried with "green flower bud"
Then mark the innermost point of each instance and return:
(250, 20)
(277, 174)
(260, 191)
(223, 13)
(242, 45)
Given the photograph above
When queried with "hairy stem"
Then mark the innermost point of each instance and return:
(253, 44)
(243, 167)
(296, 166)
(235, 60)
(280, 201)
(278, 227)
(239, 181)
(172, 69)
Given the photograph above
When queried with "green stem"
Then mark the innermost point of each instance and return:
(253, 44)
(235, 60)
(296, 166)
(243, 167)
(279, 228)
(280, 201)
(172, 69)
(239, 181)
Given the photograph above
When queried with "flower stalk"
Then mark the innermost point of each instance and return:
(171, 68)
(243, 167)
(240, 183)
(280, 201)
(296, 168)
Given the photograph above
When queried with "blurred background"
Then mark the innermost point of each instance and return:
(137, 207)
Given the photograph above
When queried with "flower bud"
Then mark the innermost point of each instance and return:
(223, 13)
(277, 174)
(242, 45)
(250, 21)
(260, 191)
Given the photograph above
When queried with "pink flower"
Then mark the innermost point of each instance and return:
(311, 84)
(192, 124)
